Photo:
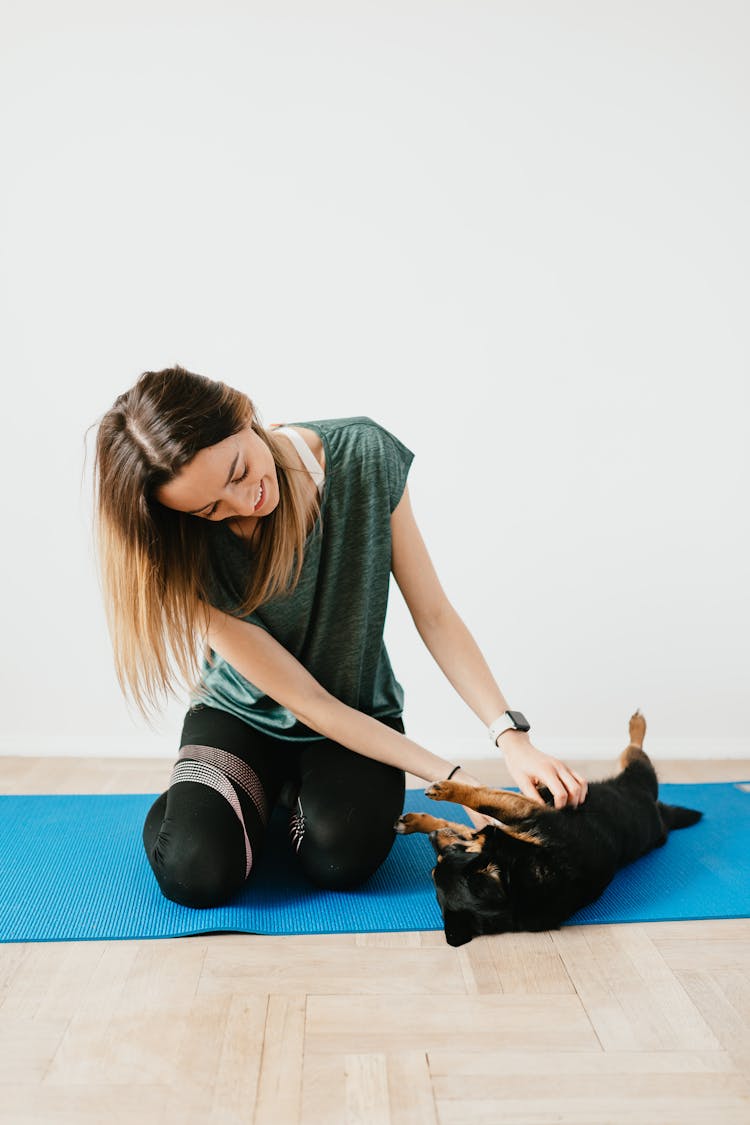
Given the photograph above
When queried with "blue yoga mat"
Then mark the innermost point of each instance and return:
(73, 868)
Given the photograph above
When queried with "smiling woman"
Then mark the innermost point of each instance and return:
(211, 526)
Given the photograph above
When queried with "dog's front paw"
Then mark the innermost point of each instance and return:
(406, 823)
(441, 791)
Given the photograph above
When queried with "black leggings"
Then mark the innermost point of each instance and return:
(205, 832)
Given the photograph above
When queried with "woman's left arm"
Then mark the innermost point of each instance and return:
(460, 659)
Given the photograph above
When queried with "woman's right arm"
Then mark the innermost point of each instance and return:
(257, 656)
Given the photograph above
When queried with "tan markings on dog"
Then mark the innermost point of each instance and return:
(528, 835)
(508, 806)
(637, 729)
(461, 830)
(477, 844)
(491, 869)
(423, 822)
(513, 805)
(451, 833)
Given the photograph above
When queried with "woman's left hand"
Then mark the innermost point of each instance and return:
(529, 767)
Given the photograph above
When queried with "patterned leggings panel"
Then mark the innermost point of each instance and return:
(204, 834)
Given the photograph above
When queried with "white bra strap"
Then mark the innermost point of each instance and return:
(307, 455)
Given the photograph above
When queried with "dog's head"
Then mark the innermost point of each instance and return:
(494, 883)
(472, 893)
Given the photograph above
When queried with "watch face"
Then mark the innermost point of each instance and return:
(520, 720)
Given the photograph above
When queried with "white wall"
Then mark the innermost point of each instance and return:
(515, 233)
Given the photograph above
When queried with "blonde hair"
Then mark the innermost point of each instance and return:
(154, 562)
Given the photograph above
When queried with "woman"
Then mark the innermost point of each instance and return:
(273, 547)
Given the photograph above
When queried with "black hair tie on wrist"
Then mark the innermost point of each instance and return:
(450, 775)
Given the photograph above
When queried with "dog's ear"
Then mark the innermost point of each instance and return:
(458, 927)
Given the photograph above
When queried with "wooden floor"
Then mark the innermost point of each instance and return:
(589, 1024)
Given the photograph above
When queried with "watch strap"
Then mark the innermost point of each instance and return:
(507, 721)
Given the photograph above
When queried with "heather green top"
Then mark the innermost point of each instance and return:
(333, 621)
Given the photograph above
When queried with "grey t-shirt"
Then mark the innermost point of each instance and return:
(333, 621)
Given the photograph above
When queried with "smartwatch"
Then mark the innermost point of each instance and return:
(509, 720)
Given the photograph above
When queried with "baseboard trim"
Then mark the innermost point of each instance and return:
(141, 745)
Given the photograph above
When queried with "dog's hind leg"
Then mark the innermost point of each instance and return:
(637, 731)
(634, 751)
(634, 758)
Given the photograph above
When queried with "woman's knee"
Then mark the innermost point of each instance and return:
(338, 871)
(198, 860)
(343, 825)
(341, 856)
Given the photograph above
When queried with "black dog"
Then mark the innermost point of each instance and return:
(543, 864)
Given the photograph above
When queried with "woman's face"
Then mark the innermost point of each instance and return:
(224, 480)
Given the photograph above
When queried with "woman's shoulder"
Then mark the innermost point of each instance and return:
(354, 421)
(353, 439)
(354, 427)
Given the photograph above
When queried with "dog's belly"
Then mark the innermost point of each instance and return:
(619, 825)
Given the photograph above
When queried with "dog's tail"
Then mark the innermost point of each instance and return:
(675, 816)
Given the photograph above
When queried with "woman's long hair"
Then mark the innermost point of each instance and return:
(154, 562)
